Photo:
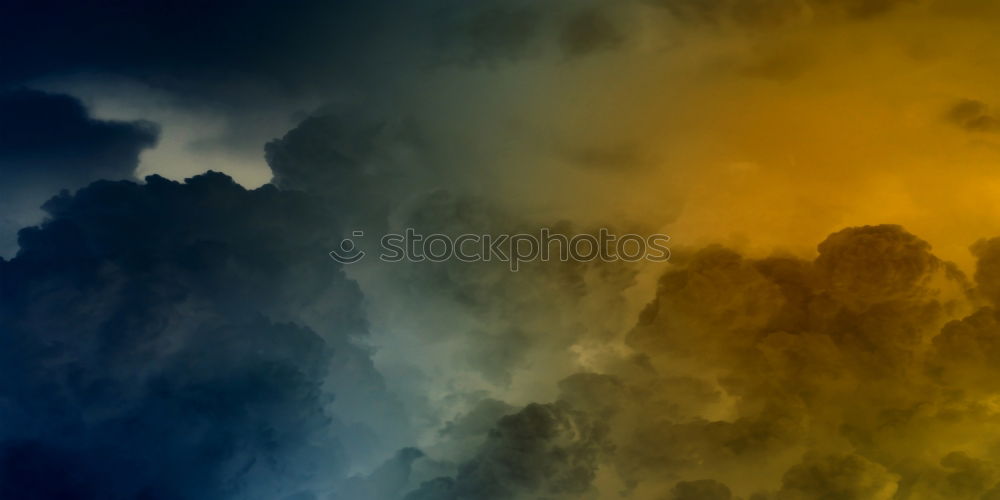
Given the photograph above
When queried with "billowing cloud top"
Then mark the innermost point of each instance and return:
(174, 177)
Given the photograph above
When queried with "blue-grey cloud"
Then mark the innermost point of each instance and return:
(544, 450)
(51, 138)
(49, 142)
(159, 340)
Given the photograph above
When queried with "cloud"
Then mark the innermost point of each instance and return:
(588, 31)
(782, 377)
(543, 450)
(236, 53)
(226, 41)
(207, 316)
(838, 476)
(965, 350)
(874, 264)
(987, 275)
(203, 321)
(973, 116)
(51, 138)
(490, 33)
(778, 377)
(957, 475)
(460, 437)
(386, 482)
(49, 142)
(364, 166)
(763, 14)
(482, 310)
(739, 364)
(192, 340)
(374, 175)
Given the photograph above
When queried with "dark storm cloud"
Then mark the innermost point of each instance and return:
(839, 377)
(178, 44)
(875, 264)
(227, 52)
(788, 340)
(466, 428)
(541, 451)
(987, 274)
(162, 341)
(838, 476)
(966, 350)
(973, 116)
(346, 157)
(362, 166)
(348, 162)
(513, 326)
(368, 169)
(49, 142)
(51, 139)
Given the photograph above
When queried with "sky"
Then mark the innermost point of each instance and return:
(175, 175)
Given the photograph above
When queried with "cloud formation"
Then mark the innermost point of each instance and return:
(853, 375)
(51, 138)
(49, 142)
(192, 340)
(547, 450)
(973, 116)
(162, 340)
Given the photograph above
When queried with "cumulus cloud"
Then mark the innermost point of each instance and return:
(503, 330)
(203, 321)
(49, 142)
(378, 176)
(987, 273)
(162, 340)
(810, 374)
(52, 138)
(362, 165)
(838, 476)
(737, 369)
(744, 377)
(875, 264)
(785, 378)
(543, 450)
(198, 315)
